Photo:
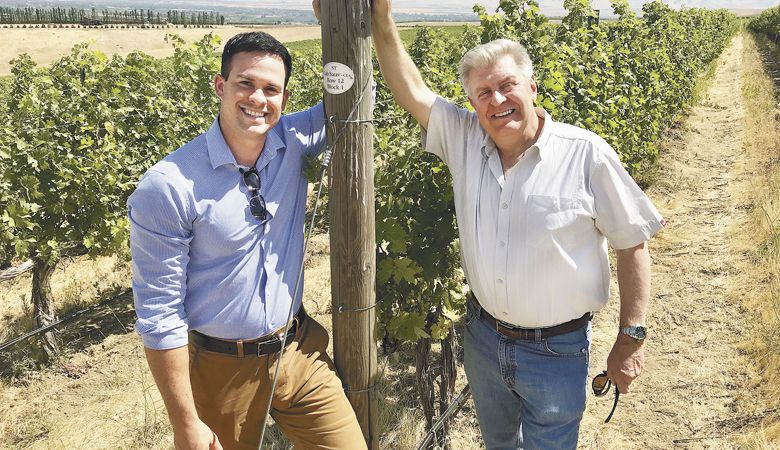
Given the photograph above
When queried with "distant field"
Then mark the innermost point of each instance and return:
(47, 45)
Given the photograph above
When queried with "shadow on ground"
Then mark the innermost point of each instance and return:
(109, 317)
(770, 57)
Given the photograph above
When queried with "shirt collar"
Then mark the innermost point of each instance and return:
(273, 144)
(220, 154)
(544, 136)
(489, 147)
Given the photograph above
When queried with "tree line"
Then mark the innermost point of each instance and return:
(29, 15)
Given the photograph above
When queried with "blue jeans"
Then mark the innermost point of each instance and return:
(528, 394)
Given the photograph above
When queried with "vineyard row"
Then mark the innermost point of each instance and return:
(76, 137)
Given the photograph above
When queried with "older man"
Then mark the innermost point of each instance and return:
(536, 202)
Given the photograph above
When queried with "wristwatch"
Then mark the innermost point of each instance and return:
(638, 332)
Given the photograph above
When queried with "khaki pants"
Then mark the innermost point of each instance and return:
(309, 404)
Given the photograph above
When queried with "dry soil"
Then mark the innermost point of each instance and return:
(696, 381)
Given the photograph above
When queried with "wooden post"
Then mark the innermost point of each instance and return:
(346, 39)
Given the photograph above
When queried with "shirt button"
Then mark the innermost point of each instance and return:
(502, 244)
(505, 206)
(505, 314)
(500, 281)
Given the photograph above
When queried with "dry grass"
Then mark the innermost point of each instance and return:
(76, 283)
(100, 394)
(761, 235)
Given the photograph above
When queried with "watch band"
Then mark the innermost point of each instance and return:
(637, 332)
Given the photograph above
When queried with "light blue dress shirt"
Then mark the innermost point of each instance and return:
(201, 261)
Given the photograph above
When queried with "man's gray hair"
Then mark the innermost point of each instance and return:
(486, 54)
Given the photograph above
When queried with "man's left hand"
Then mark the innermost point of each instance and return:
(625, 362)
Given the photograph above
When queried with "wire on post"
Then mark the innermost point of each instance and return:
(342, 308)
(347, 390)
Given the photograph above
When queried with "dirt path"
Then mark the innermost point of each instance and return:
(695, 372)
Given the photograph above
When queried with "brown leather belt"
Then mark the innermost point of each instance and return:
(256, 347)
(531, 334)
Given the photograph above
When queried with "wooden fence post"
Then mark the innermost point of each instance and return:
(347, 73)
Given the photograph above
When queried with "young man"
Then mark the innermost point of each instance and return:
(536, 202)
(217, 242)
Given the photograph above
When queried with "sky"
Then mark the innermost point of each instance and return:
(549, 7)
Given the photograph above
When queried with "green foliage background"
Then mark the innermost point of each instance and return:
(76, 137)
(627, 81)
(767, 23)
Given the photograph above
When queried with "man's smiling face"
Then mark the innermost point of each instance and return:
(502, 97)
(252, 96)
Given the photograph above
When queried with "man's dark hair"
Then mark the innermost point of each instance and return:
(255, 41)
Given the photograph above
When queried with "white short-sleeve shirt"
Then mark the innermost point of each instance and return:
(534, 240)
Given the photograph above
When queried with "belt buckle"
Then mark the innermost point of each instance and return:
(296, 322)
(265, 342)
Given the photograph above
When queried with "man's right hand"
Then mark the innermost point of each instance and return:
(196, 437)
(381, 8)
(171, 372)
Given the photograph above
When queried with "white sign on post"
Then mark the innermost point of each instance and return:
(337, 78)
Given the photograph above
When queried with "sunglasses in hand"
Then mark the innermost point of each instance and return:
(600, 385)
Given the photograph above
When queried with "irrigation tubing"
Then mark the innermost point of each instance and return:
(48, 327)
(452, 409)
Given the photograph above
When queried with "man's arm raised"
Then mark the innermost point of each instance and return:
(403, 77)
(398, 69)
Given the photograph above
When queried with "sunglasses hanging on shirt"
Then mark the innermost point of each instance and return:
(256, 201)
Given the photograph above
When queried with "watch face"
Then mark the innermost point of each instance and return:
(637, 332)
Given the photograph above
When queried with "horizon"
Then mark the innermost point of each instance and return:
(432, 7)
(553, 7)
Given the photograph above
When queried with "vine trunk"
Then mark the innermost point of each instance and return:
(426, 385)
(43, 304)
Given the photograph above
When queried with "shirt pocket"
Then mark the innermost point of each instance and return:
(555, 220)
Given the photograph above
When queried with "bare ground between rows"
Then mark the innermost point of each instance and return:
(696, 379)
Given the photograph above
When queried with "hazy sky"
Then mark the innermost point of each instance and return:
(550, 7)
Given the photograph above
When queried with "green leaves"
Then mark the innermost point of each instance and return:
(398, 270)
(408, 326)
(768, 23)
(625, 80)
(417, 260)
(76, 138)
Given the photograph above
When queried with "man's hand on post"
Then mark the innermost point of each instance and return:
(625, 362)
